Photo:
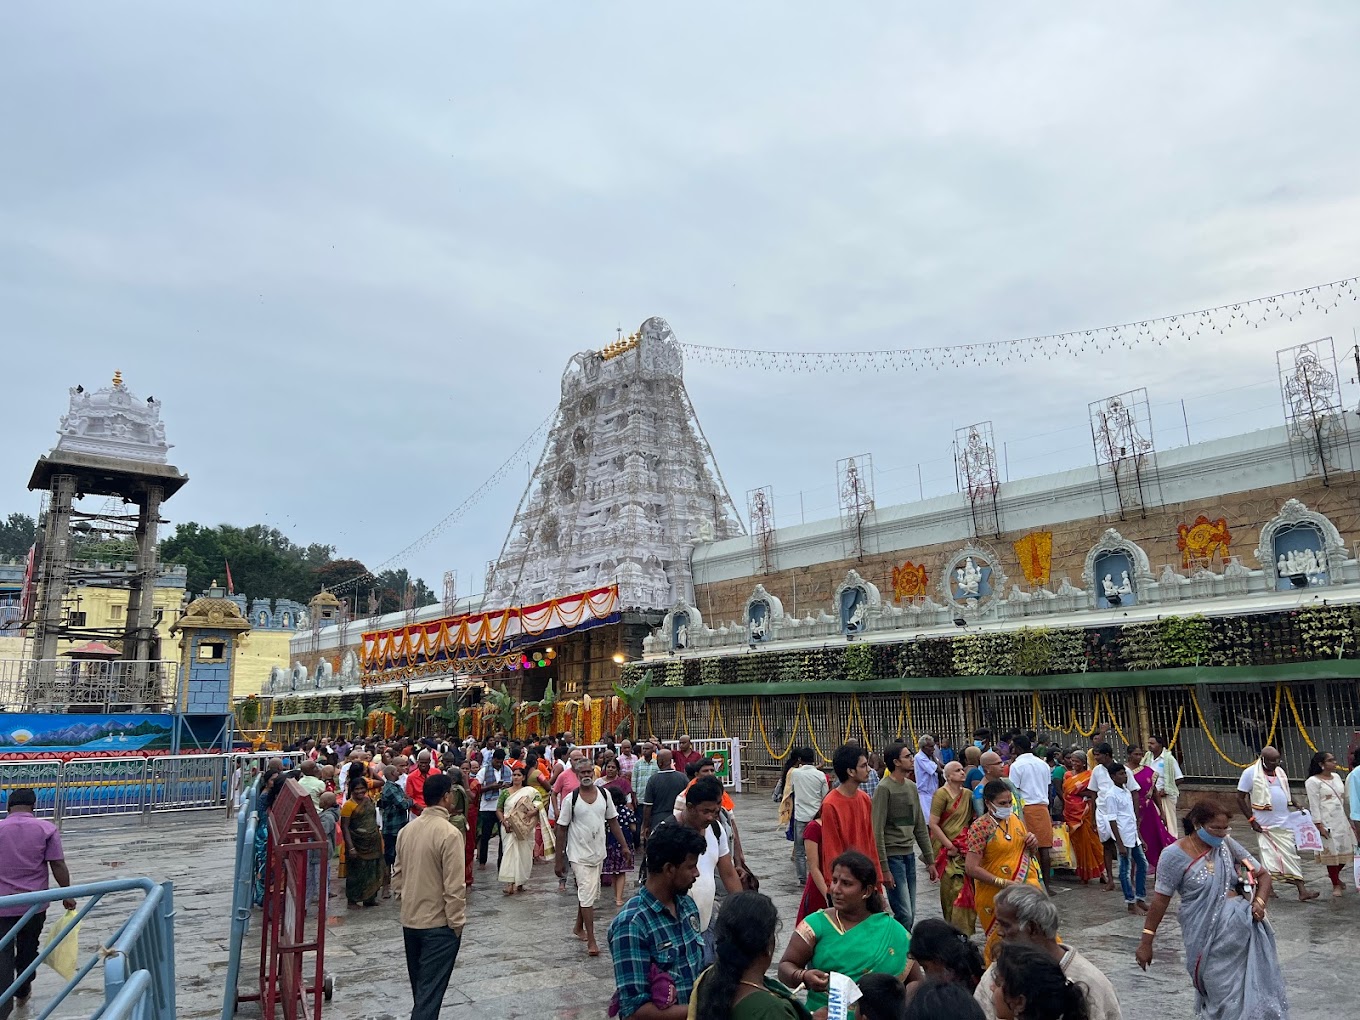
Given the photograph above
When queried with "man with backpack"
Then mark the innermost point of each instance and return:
(581, 823)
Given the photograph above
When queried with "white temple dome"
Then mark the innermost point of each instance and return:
(113, 422)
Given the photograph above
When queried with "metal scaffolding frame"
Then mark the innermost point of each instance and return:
(855, 487)
(450, 591)
(976, 474)
(1310, 389)
(1126, 455)
(760, 512)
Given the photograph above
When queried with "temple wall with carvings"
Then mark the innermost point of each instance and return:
(1241, 482)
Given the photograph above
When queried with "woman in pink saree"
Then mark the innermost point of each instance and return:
(1151, 828)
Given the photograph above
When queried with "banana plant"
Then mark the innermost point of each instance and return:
(502, 707)
(401, 714)
(635, 697)
(546, 706)
(447, 713)
(358, 718)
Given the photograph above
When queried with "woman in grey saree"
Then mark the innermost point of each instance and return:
(1229, 945)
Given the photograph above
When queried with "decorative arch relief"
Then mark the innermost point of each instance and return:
(1115, 570)
(1300, 548)
(973, 578)
(762, 612)
(854, 599)
(680, 626)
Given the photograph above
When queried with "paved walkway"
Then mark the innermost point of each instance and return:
(519, 961)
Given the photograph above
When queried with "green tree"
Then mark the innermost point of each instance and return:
(394, 582)
(335, 572)
(17, 532)
(264, 562)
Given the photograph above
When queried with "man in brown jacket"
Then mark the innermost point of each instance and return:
(429, 878)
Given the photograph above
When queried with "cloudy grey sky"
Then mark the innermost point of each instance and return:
(351, 246)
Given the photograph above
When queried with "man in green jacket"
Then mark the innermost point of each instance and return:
(897, 820)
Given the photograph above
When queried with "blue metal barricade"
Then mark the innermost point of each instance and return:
(102, 786)
(82, 787)
(242, 897)
(133, 1002)
(138, 959)
(42, 776)
(188, 782)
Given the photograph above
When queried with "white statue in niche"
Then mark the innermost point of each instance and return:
(1123, 588)
(856, 619)
(760, 627)
(1309, 562)
(681, 635)
(969, 578)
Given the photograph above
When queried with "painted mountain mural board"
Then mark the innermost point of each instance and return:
(93, 735)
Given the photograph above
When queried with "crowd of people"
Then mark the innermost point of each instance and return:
(693, 936)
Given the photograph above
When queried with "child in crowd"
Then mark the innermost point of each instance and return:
(330, 825)
(1118, 827)
(616, 868)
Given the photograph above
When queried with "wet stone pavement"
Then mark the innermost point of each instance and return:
(519, 960)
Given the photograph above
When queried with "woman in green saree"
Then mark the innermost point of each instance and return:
(735, 987)
(854, 936)
(363, 844)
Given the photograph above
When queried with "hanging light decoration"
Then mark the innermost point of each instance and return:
(1183, 327)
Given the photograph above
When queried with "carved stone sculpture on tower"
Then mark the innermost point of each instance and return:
(626, 486)
(112, 422)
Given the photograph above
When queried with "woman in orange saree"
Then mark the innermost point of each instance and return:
(1001, 852)
(1088, 855)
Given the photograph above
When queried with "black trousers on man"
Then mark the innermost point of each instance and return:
(15, 957)
(430, 955)
(486, 825)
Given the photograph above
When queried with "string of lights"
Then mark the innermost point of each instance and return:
(1254, 312)
(522, 453)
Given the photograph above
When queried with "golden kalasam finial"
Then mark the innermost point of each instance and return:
(621, 346)
(117, 377)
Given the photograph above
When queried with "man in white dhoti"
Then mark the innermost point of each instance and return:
(1167, 791)
(1263, 796)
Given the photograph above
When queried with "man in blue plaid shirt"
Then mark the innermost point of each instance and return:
(655, 940)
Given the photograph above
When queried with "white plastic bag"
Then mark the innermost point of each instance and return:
(1357, 871)
(65, 955)
(841, 995)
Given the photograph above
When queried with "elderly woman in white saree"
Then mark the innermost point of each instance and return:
(518, 811)
(1229, 945)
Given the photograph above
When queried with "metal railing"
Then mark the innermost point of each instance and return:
(1217, 729)
(138, 958)
(80, 685)
(242, 896)
(113, 786)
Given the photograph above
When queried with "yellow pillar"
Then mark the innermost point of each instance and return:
(1144, 716)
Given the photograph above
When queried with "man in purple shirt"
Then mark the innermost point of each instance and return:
(29, 847)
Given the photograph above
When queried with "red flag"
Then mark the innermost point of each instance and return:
(230, 589)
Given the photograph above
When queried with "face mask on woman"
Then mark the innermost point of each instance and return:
(1209, 839)
(978, 744)
(1002, 813)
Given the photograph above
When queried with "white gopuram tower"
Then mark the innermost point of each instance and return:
(626, 486)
